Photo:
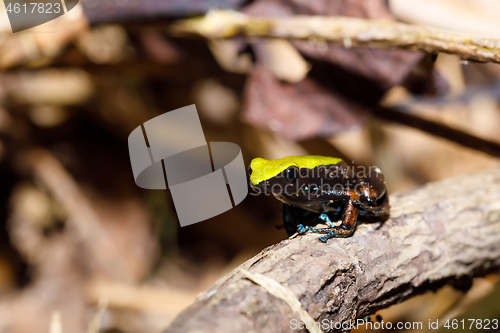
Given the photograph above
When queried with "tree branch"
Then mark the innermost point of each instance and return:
(401, 116)
(444, 232)
(347, 31)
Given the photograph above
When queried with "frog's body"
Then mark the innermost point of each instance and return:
(313, 187)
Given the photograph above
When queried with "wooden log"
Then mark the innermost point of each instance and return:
(443, 232)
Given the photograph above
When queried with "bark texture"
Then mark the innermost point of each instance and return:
(443, 232)
(347, 31)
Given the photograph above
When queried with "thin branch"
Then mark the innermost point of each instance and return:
(83, 221)
(347, 31)
(398, 115)
(444, 232)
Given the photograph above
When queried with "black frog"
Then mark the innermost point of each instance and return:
(314, 188)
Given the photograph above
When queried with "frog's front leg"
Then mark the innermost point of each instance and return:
(347, 227)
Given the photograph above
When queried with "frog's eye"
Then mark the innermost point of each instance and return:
(291, 173)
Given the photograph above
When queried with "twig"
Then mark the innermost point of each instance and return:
(140, 298)
(277, 290)
(350, 32)
(444, 232)
(82, 219)
(432, 127)
(95, 322)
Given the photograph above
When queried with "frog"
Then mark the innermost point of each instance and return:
(321, 189)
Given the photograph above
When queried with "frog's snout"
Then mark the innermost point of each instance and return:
(259, 187)
(255, 188)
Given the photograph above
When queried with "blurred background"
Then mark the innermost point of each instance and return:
(84, 249)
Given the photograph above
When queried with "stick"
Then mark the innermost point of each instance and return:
(398, 115)
(82, 219)
(347, 31)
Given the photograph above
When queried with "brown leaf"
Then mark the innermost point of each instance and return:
(297, 111)
(386, 67)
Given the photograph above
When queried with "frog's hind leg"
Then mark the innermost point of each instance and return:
(347, 227)
(380, 212)
(292, 215)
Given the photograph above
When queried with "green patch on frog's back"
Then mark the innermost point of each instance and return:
(263, 169)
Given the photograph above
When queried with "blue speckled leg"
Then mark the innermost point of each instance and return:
(347, 227)
(328, 231)
(325, 218)
(301, 229)
(331, 234)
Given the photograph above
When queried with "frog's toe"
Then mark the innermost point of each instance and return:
(323, 239)
(301, 229)
(326, 237)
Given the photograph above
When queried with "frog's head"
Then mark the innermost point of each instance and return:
(290, 179)
(372, 188)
